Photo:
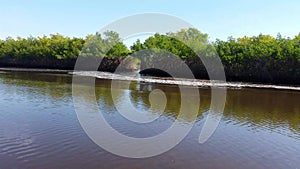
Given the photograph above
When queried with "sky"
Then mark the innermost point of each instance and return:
(218, 18)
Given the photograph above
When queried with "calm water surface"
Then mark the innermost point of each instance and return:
(39, 127)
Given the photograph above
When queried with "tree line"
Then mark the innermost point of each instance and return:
(261, 58)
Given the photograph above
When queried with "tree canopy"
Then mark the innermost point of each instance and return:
(245, 58)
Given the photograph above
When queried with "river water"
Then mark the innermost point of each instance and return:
(260, 128)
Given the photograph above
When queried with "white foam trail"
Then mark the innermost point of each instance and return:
(179, 81)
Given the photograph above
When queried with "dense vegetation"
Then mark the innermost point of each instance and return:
(261, 58)
(58, 51)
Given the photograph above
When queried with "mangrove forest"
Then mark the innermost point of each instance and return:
(259, 59)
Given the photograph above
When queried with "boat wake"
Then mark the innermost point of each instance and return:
(134, 76)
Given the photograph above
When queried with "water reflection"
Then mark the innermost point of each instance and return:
(269, 108)
(39, 129)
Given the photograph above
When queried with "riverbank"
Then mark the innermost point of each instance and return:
(134, 76)
(107, 64)
(259, 59)
(55, 71)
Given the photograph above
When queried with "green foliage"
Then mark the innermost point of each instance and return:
(184, 44)
(246, 58)
(59, 47)
(109, 45)
(46, 48)
(137, 46)
(261, 57)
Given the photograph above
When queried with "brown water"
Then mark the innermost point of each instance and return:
(39, 127)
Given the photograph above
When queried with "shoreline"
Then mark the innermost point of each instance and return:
(158, 80)
(56, 71)
(182, 81)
